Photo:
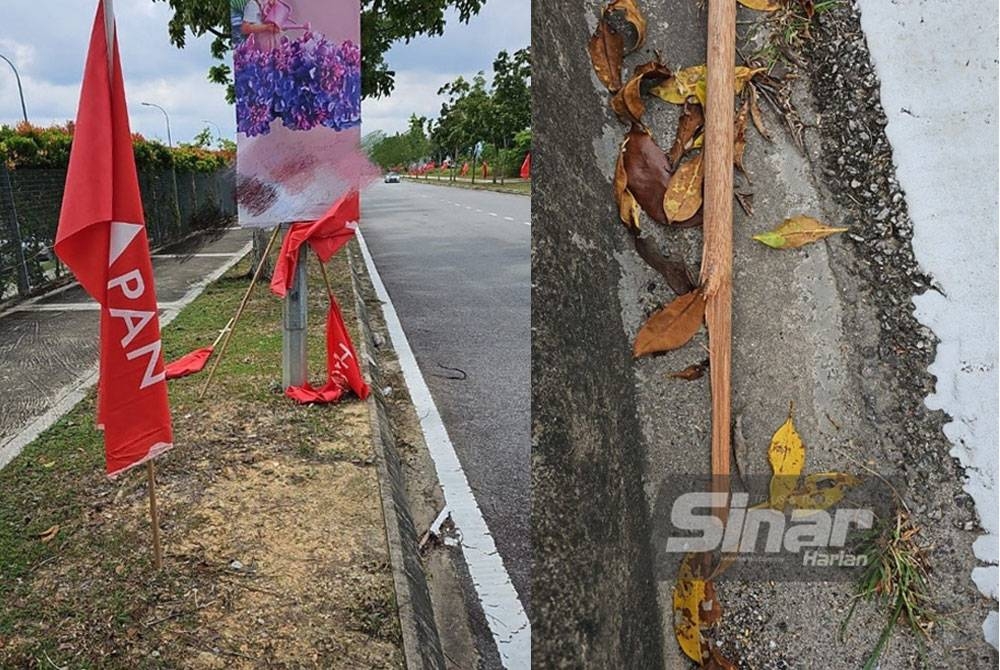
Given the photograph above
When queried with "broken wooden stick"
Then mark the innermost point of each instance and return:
(717, 256)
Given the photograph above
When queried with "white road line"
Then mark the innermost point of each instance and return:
(480, 211)
(508, 218)
(507, 620)
(68, 396)
(527, 223)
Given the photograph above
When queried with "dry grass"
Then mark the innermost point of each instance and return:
(274, 545)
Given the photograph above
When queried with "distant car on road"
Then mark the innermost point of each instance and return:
(391, 178)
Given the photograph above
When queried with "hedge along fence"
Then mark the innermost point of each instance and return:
(33, 176)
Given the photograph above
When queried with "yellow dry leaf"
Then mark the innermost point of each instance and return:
(743, 74)
(689, 594)
(699, 141)
(821, 490)
(787, 456)
(796, 232)
(682, 198)
(761, 5)
(691, 82)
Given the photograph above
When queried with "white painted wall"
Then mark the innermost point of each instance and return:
(938, 60)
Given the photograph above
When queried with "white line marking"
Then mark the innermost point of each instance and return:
(507, 620)
(493, 214)
(68, 396)
(213, 255)
(467, 207)
(508, 218)
(527, 223)
(480, 211)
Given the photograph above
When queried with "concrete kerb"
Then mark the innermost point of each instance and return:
(421, 641)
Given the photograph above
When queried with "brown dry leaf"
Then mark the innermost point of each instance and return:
(761, 5)
(691, 372)
(692, 118)
(647, 172)
(796, 232)
(607, 50)
(671, 327)
(689, 594)
(49, 534)
(758, 119)
(633, 16)
(787, 456)
(683, 195)
(821, 490)
(627, 103)
(740, 137)
(628, 208)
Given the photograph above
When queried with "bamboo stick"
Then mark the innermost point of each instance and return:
(717, 256)
(239, 312)
(154, 516)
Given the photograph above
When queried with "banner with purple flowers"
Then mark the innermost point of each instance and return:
(297, 71)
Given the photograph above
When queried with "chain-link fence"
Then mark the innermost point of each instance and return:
(175, 204)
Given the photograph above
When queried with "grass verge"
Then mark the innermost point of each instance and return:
(271, 523)
(516, 187)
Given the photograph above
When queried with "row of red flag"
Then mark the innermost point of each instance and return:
(102, 239)
(484, 168)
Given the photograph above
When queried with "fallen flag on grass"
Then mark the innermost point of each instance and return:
(342, 369)
(102, 238)
(189, 363)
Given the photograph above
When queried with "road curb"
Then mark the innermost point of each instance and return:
(421, 641)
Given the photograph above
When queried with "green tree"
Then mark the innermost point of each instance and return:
(383, 23)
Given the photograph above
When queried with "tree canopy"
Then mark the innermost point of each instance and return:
(383, 23)
(497, 113)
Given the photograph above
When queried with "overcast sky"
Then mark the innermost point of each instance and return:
(47, 40)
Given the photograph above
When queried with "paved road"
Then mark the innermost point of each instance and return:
(456, 265)
(48, 346)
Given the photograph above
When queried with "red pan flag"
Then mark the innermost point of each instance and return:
(526, 167)
(325, 236)
(102, 238)
(465, 168)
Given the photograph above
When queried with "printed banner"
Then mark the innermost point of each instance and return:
(297, 69)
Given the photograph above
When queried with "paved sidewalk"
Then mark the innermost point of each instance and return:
(48, 345)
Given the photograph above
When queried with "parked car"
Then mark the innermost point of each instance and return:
(391, 178)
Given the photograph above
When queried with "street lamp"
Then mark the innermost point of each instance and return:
(218, 128)
(20, 91)
(173, 166)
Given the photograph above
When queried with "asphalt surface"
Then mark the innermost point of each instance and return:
(456, 265)
(49, 343)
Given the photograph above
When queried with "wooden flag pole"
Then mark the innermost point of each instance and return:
(154, 516)
(239, 311)
(717, 256)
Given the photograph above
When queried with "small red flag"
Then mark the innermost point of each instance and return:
(102, 238)
(486, 170)
(325, 236)
(189, 363)
(465, 168)
(342, 369)
(526, 167)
